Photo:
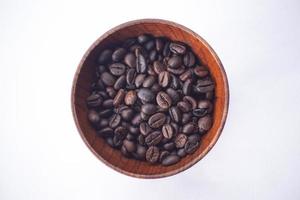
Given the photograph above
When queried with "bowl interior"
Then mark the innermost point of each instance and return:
(85, 75)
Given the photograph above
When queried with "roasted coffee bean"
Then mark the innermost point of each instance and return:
(118, 54)
(149, 81)
(143, 38)
(181, 152)
(144, 116)
(153, 55)
(209, 95)
(163, 155)
(130, 76)
(166, 50)
(103, 123)
(111, 92)
(105, 56)
(170, 160)
(141, 65)
(139, 80)
(134, 130)
(156, 88)
(93, 117)
(180, 140)
(159, 67)
(136, 120)
(130, 60)
(121, 132)
(127, 114)
(129, 145)
(100, 69)
(199, 112)
(173, 94)
(125, 152)
(204, 86)
(167, 131)
(105, 113)
(105, 132)
(186, 75)
(164, 78)
(152, 154)
(191, 146)
(150, 70)
(184, 106)
(176, 71)
(110, 142)
(175, 114)
(129, 42)
(130, 97)
(117, 69)
(107, 79)
(205, 104)
(177, 48)
(175, 62)
(159, 44)
(189, 59)
(149, 109)
(157, 120)
(100, 85)
(94, 100)
(186, 117)
(175, 82)
(146, 95)
(141, 139)
(163, 100)
(190, 100)
(188, 128)
(153, 138)
(194, 138)
(187, 87)
(169, 146)
(141, 152)
(130, 137)
(119, 98)
(145, 128)
(175, 127)
(200, 71)
(149, 45)
(120, 83)
(205, 123)
(115, 121)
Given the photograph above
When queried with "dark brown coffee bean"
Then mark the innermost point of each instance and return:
(108, 79)
(139, 80)
(94, 100)
(130, 137)
(205, 123)
(175, 127)
(177, 48)
(157, 120)
(150, 70)
(209, 95)
(149, 109)
(127, 114)
(205, 104)
(189, 59)
(146, 95)
(184, 106)
(194, 138)
(156, 88)
(159, 44)
(176, 71)
(175, 114)
(149, 81)
(104, 56)
(93, 117)
(130, 97)
(130, 60)
(163, 100)
(111, 92)
(120, 83)
(186, 117)
(129, 42)
(145, 129)
(125, 152)
(149, 45)
(199, 112)
(170, 160)
(100, 69)
(175, 62)
(141, 65)
(164, 78)
(190, 100)
(166, 50)
(103, 123)
(121, 132)
(167, 131)
(152, 154)
(110, 142)
(181, 152)
(169, 146)
(105, 113)
(175, 82)
(187, 87)
(173, 95)
(143, 38)
(144, 116)
(204, 86)
(119, 98)
(186, 75)
(141, 152)
(153, 138)
(129, 145)
(153, 55)
(188, 128)
(141, 139)
(180, 140)
(134, 130)
(163, 155)
(115, 121)
(105, 132)
(200, 71)
(130, 76)
(191, 146)
(159, 67)
(100, 85)
(118, 54)
(136, 120)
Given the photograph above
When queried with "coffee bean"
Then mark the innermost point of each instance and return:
(139, 80)
(159, 44)
(105, 113)
(188, 128)
(152, 154)
(186, 75)
(176, 71)
(105, 56)
(136, 120)
(189, 59)
(157, 120)
(149, 81)
(169, 146)
(170, 160)
(180, 140)
(181, 152)
(163, 155)
(153, 138)
(156, 88)
(175, 114)
(209, 95)
(164, 79)
(129, 145)
(130, 76)
(150, 70)
(117, 69)
(108, 79)
(141, 139)
(194, 138)
(199, 112)
(173, 94)
(175, 127)
(110, 142)
(105, 132)
(159, 67)
(166, 50)
(130, 97)
(184, 106)
(200, 71)
(177, 48)
(129, 42)
(145, 95)
(206, 105)
(191, 146)
(175, 82)
(130, 60)
(100, 85)
(119, 98)
(175, 62)
(190, 100)
(94, 100)
(153, 55)
(93, 117)
(141, 65)
(205, 123)
(118, 54)
(103, 123)
(145, 128)
(115, 121)
(204, 86)
(187, 87)
(186, 117)
(143, 38)
(149, 109)
(111, 92)
(163, 100)
(121, 132)
(124, 152)
(127, 114)
(120, 82)
(149, 45)
(167, 131)
(100, 69)
(141, 152)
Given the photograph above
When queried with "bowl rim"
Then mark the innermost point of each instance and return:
(224, 114)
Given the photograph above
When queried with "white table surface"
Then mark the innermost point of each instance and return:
(42, 155)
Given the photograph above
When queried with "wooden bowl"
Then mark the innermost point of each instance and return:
(85, 74)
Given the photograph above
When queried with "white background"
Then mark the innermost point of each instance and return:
(42, 155)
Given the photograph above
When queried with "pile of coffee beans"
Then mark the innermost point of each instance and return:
(152, 99)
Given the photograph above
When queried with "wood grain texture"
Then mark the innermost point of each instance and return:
(85, 75)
